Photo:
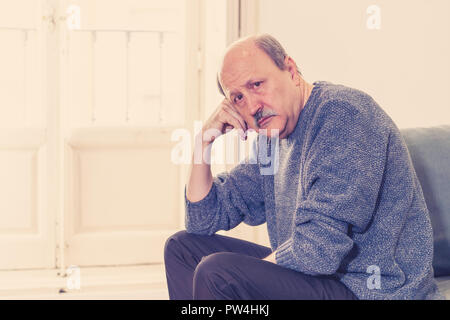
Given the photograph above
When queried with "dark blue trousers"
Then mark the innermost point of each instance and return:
(222, 268)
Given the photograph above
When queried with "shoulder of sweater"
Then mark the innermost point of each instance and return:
(348, 105)
(354, 101)
(339, 94)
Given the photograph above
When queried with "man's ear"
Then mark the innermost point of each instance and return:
(291, 67)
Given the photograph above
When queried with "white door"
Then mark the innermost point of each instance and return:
(90, 93)
(124, 91)
(27, 152)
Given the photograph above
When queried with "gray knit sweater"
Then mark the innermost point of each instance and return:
(343, 200)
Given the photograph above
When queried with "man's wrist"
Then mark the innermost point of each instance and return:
(200, 140)
(202, 150)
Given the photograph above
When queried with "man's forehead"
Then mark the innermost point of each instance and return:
(237, 57)
(232, 79)
(238, 65)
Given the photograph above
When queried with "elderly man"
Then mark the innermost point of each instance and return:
(344, 209)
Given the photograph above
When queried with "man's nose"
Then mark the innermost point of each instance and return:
(254, 106)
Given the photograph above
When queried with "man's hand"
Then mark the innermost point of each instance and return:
(200, 177)
(271, 258)
(224, 118)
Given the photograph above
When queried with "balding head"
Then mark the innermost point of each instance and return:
(245, 47)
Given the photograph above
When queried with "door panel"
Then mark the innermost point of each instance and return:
(27, 233)
(124, 79)
(123, 196)
(86, 117)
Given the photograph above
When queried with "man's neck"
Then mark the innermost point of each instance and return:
(305, 92)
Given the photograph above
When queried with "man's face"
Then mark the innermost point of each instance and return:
(261, 93)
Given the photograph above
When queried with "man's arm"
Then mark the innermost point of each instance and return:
(222, 202)
(200, 176)
(234, 197)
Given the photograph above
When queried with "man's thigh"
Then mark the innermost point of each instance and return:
(184, 251)
(237, 276)
(195, 247)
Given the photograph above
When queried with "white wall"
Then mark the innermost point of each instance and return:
(215, 35)
(404, 65)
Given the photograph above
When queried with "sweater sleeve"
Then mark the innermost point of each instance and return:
(341, 178)
(234, 197)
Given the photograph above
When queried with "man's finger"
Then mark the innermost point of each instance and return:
(235, 123)
(238, 117)
(232, 107)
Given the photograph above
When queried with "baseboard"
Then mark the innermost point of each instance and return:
(122, 282)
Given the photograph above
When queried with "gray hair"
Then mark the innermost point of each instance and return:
(273, 48)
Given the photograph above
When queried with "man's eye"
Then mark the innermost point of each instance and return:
(238, 98)
(257, 84)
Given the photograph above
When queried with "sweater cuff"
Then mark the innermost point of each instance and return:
(201, 203)
(285, 254)
(198, 214)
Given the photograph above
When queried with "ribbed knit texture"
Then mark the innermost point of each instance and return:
(344, 199)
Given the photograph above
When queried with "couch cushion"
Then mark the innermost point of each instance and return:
(444, 286)
(430, 153)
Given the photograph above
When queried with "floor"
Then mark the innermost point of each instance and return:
(145, 282)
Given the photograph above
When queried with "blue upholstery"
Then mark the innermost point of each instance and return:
(430, 152)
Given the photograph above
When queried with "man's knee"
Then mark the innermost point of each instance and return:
(214, 266)
(171, 246)
(212, 261)
(213, 276)
(207, 277)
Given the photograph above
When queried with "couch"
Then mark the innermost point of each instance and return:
(430, 153)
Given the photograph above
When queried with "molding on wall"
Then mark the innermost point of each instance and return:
(249, 13)
(242, 17)
(233, 20)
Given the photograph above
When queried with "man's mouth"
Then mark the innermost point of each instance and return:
(263, 121)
